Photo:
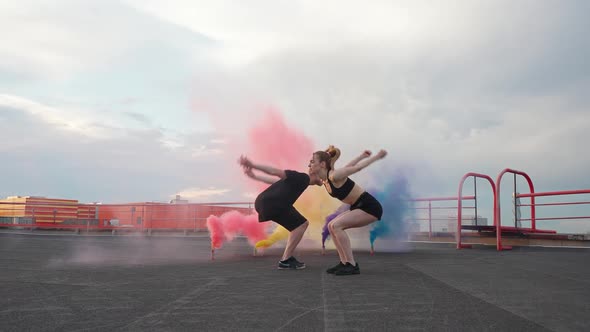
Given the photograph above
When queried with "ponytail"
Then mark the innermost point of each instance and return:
(334, 153)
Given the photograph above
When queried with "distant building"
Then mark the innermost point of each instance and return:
(174, 215)
(29, 209)
(177, 200)
(163, 215)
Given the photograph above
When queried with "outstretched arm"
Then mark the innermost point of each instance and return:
(247, 163)
(344, 172)
(365, 154)
(266, 179)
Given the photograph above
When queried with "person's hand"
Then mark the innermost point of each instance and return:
(248, 172)
(245, 162)
(366, 153)
(381, 154)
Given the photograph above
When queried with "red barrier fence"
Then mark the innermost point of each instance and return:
(135, 216)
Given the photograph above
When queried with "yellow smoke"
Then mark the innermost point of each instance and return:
(315, 205)
(279, 234)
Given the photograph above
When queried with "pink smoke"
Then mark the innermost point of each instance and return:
(274, 142)
(271, 141)
(232, 223)
(264, 136)
(215, 231)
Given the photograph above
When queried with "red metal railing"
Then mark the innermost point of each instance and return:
(533, 219)
(532, 190)
(553, 194)
(497, 227)
(430, 219)
(147, 216)
(460, 209)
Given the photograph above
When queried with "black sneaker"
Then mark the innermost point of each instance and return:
(291, 263)
(298, 265)
(334, 268)
(348, 269)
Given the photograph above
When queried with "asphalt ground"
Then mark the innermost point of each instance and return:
(68, 282)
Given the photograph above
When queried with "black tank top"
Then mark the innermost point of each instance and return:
(343, 191)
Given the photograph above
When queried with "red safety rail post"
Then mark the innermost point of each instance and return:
(429, 220)
(532, 190)
(460, 208)
(498, 211)
(430, 207)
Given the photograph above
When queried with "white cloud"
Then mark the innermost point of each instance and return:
(69, 119)
(202, 194)
(203, 151)
(447, 88)
(60, 38)
(92, 124)
(270, 26)
(218, 141)
(48, 160)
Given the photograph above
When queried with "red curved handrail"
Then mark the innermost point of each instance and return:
(460, 208)
(532, 196)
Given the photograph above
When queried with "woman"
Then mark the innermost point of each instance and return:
(364, 208)
(276, 204)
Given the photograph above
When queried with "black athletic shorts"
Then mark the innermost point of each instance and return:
(290, 218)
(369, 204)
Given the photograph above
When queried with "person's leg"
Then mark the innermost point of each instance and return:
(351, 219)
(296, 224)
(293, 240)
(336, 241)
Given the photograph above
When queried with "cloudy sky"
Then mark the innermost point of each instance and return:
(140, 100)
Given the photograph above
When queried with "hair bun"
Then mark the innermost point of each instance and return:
(332, 151)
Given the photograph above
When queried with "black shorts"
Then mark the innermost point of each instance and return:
(290, 218)
(369, 204)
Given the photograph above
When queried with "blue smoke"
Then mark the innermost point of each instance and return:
(397, 207)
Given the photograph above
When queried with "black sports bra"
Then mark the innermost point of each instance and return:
(343, 190)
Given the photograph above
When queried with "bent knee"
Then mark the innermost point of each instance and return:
(332, 226)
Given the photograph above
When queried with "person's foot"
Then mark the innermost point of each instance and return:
(291, 263)
(335, 268)
(298, 265)
(348, 269)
